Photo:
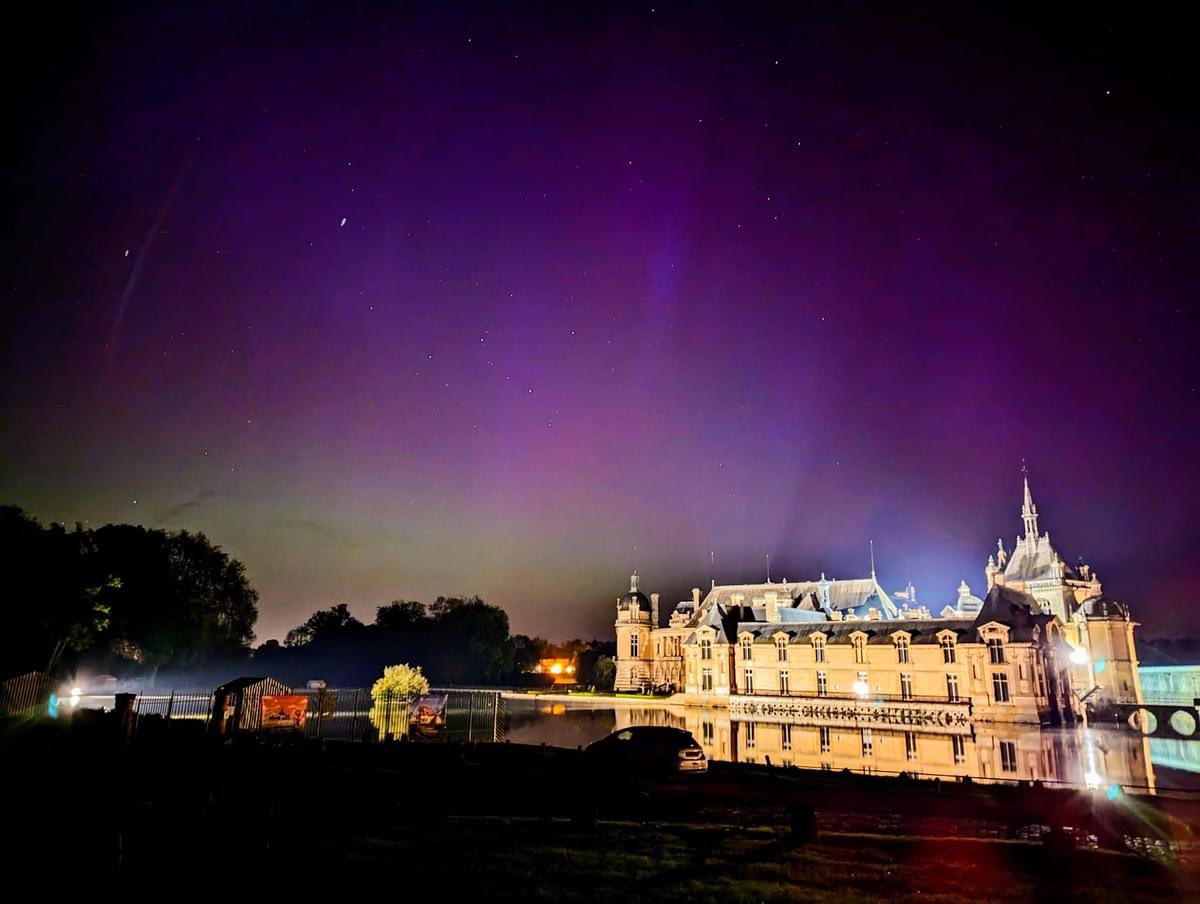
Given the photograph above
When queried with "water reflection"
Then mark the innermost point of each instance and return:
(982, 752)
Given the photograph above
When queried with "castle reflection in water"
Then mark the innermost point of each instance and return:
(981, 752)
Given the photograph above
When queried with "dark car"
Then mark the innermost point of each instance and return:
(648, 750)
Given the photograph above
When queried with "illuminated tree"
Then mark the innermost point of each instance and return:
(391, 695)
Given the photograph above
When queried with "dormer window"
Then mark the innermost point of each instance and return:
(818, 645)
(706, 648)
(747, 648)
(860, 648)
(781, 645)
(901, 649)
(948, 648)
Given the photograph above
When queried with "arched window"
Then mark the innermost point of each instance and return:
(781, 645)
(747, 648)
(818, 645)
(901, 649)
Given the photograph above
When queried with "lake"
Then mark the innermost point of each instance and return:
(987, 752)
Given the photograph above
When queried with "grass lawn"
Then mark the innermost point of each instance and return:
(552, 860)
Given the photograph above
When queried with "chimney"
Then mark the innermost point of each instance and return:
(696, 597)
(654, 610)
(772, 606)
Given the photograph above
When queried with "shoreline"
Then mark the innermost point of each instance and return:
(597, 699)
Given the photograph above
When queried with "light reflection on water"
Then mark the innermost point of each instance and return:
(986, 752)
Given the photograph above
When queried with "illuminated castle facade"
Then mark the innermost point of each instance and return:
(1042, 639)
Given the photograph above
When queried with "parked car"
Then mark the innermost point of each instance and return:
(648, 750)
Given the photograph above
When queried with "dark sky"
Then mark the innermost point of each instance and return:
(399, 303)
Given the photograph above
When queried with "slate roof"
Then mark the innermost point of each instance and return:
(1030, 562)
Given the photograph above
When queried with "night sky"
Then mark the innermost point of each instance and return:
(400, 303)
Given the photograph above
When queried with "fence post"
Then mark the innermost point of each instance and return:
(470, 715)
(170, 705)
(495, 717)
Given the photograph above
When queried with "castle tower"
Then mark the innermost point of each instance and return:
(635, 615)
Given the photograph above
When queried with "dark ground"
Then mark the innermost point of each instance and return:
(506, 821)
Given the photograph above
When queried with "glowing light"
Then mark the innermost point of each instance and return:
(52, 706)
(1091, 778)
(570, 670)
(862, 689)
(76, 693)
(556, 669)
(1101, 665)
(1079, 656)
(1113, 792)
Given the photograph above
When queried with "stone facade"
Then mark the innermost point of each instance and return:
(1043, 640)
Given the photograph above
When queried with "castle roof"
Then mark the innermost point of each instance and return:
(1034, 559)
(856, 595)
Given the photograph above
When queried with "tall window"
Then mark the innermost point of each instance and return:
(785, 737)
(952, 688)
(960, 748)
(706, 682)
(1041, 682)
(750, 732)
(707, 732)
(781, 648)
(822, 684)
(860, 650)
(905, 686)
(706, 648)
(748, 676)
(633, 645)
(902, 650)
(948, 651)
(818, 649)
(783, 682)
(1000, 687)
(995, 647)
(1008, 756)
(910, 745)
(866, 742)
(825, 745)
(747, 648)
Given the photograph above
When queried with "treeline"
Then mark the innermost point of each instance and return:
(123, 598)
(456, 641)
(170, 607)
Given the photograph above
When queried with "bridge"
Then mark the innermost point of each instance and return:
(1156, 719)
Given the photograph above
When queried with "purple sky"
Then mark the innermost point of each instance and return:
(393, 305)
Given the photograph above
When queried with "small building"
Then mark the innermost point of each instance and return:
(237, 704)
(25, 692)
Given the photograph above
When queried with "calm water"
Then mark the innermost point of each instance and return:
(1098, 757)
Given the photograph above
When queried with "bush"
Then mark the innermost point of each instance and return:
(392, 693)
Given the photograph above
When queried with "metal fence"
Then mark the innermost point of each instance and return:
(346, 714)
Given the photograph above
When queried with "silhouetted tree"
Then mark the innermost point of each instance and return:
(120, 594)
(325, 624)
(400, 614)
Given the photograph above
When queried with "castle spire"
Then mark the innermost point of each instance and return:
(1029, 513)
